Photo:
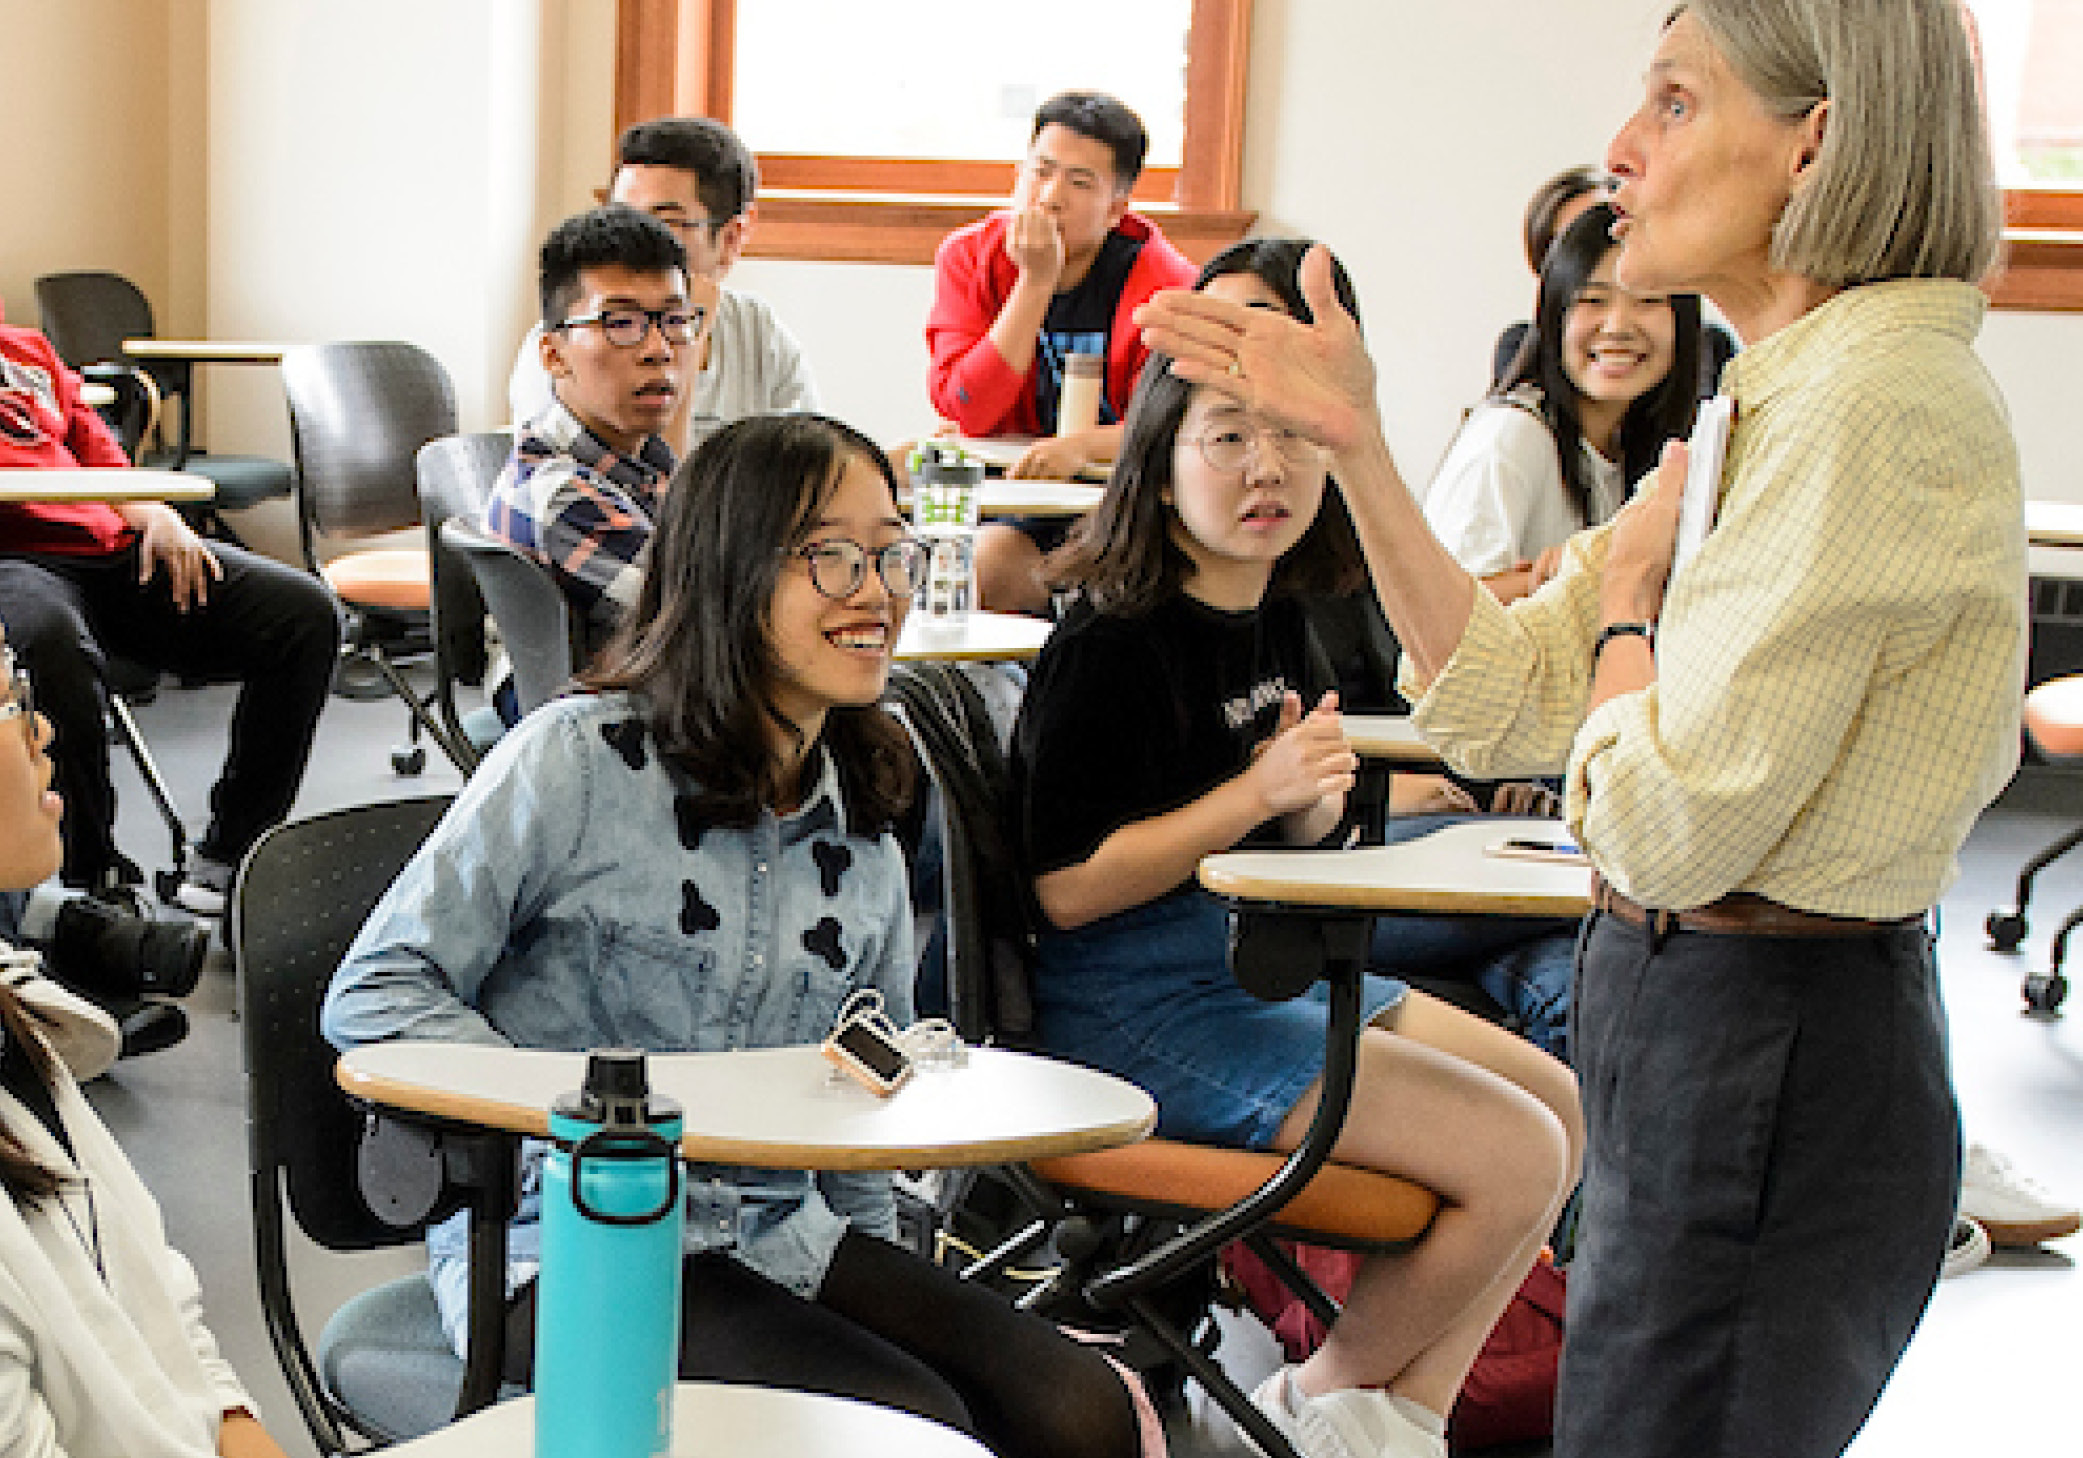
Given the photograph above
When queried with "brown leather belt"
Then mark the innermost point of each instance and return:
(1741, 914)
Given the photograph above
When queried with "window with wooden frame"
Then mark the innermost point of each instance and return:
(681, 57)
(2030, 54)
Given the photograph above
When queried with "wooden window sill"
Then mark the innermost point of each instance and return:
(859, 227)
(2043, 270)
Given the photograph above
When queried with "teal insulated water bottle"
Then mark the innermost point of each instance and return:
(607, 1326)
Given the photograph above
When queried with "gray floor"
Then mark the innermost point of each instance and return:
(1982, 1376)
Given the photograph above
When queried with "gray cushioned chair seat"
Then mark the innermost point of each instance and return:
(385, 1355)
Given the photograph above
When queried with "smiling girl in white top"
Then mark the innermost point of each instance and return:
(1604, 378)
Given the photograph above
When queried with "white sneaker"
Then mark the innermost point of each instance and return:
(2012, 1207)
(1968, 1248)
(205, 887)
(1358, 1422)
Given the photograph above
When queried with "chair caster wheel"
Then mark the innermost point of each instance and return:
(409, 761)
(2006, 930)
(2044, 992)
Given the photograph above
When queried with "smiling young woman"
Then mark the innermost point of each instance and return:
(1605, 375)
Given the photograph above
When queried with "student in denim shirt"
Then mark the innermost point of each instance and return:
(695, 856)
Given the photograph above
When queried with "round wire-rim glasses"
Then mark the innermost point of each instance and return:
(1229, 447)
(839, 565)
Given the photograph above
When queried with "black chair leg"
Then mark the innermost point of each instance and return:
(462, 755)
(2045, 991)
(133, 739)
(1204, 1369)
(2007, 929)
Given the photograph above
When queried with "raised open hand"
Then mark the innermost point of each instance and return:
(1315, 379)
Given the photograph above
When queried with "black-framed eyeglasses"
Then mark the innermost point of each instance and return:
(1228, 447)
(21, 697)
(686, 226)
(628, 328)
(839, 565)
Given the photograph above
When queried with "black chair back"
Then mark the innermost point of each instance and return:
(296, 907)
(88, 315)
(359, 411)
(302, 894)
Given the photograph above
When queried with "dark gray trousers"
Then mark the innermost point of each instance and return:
(1771, 1175)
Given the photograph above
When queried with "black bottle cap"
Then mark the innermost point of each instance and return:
(617, 1085)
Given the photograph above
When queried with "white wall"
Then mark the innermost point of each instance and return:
(89, 87)
(300, 169)
(356, 176)
(1407, 135)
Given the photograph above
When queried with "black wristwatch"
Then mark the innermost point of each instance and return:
(1645, 631)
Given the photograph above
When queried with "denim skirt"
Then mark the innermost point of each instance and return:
(1147, 995)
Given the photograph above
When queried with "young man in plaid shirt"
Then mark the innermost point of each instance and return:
(587, 474)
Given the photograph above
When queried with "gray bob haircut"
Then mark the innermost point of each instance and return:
(1903, 186)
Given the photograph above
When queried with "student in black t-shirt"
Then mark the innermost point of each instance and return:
(1174, 714)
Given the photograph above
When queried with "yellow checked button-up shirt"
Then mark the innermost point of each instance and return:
(1839, 668)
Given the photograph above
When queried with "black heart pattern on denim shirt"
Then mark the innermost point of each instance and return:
(832, 860)
(823, 940)
(626, 738)
(688, 822)
(696, 914)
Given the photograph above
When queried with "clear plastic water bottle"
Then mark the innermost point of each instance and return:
(607, 1332)
(944, 508)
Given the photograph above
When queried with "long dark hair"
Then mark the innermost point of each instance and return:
(1653, 417)
(696, 649)
(1121, 555)
(22, 1175)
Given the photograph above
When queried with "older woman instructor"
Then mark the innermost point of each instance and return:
(1772, 759)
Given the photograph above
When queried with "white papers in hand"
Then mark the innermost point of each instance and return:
(1707, 450)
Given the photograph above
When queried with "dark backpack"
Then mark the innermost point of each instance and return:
(987, 938)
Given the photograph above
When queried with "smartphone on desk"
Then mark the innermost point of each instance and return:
(866, 1054)
(1559, 849)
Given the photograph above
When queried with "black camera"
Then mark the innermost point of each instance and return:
(103, 949)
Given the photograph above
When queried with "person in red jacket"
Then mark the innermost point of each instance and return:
(1059, 272)
(78, 579)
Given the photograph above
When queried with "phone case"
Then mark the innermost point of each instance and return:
(848, 1063)
(1559, 852)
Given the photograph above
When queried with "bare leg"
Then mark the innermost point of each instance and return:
(1008, 571)
(1492, 1125)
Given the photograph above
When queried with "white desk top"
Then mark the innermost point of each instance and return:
(208, 351)
(1007, 497)
(104, 483)
(784, 1108)
(716, 1417)
(997, 637)
(1388, 736)
(1002, 452)
(1446, 871)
